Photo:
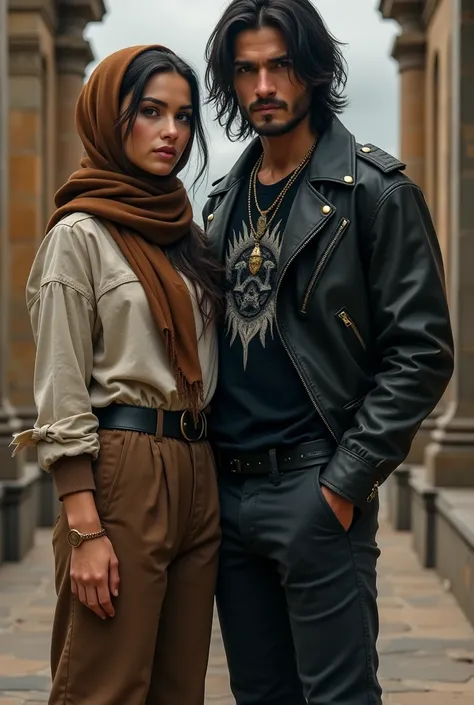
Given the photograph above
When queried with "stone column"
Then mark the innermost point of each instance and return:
(28, 188)
(73, 54)
(9, 468)
(23, 138)
(409, 50)
(450, 456)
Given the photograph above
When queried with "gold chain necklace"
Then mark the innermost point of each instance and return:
(255, 259)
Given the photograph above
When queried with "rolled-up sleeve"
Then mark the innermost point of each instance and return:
(62, 316)
(63, 320)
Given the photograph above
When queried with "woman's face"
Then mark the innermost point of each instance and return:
(163, 125)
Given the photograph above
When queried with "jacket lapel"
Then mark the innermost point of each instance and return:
(308, 216)
(217, 226)
(333, 161)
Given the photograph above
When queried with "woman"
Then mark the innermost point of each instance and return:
(122, 297)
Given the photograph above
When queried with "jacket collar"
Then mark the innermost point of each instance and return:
(333, 160)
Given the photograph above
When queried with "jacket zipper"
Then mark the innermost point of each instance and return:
(322, 262)
(288, 351)
(349, 323)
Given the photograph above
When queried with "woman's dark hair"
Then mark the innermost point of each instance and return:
(191, 254)
(315, 54)
(141, 69)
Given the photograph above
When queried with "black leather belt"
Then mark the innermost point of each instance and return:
(166, 424)
(276, 460)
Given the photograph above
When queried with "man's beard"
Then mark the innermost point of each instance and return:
(273, 129)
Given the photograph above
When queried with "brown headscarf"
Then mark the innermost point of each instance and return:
(142, 213)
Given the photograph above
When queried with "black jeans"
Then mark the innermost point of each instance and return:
(296, 594)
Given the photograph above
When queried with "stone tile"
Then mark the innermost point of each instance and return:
(424, 600)
(391, 602)
(22, 683)
(394, 628)
(396, 686)
(217, 685)
(12, 666)
(29, 645)
(430, 699)
(407, 644)
(442, 687)
(425, 668)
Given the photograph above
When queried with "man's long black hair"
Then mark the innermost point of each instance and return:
(315, 56)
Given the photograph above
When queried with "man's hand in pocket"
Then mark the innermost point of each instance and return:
(342, 508)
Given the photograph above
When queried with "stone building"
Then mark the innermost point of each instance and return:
(433, 493)
(43, 57)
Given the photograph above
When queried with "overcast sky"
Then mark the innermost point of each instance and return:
(185, 25)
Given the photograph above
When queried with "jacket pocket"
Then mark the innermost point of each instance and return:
(354, 404)
(349, 324)
(341, 228)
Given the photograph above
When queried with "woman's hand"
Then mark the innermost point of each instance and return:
(95, 575)
(94, 565)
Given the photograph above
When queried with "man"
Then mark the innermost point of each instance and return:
(336, 346)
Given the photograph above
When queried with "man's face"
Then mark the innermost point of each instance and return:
(270, 96)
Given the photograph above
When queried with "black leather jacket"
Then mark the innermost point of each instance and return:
(361, 305)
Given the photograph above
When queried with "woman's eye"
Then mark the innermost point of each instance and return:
(150, 112)
(184, 117)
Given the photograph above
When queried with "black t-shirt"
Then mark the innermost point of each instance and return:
(260, 401)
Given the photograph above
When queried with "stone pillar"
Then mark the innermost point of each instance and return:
(9, 468)
(409, 50)
(8, 423)
(73, 54)
(27, 186)
(450, 456)
(32, 129)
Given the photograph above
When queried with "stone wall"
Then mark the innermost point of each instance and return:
(47, 57)
(441, 464)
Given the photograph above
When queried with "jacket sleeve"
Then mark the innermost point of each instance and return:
(413, 344)
(62, 315)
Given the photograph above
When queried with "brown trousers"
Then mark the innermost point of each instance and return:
(158, 501)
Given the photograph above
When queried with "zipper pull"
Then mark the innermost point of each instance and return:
(373, 493)
(345, 319)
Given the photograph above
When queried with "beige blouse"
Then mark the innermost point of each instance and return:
(97, 343)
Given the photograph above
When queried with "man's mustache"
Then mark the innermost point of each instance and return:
(261, 103)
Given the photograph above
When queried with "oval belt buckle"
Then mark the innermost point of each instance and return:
(183, 422)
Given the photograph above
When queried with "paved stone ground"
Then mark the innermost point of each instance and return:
(426, 644)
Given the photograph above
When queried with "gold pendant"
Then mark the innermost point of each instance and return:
(255, 260)
(261, 225)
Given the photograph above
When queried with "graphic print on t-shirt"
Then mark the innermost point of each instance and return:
(250, 310)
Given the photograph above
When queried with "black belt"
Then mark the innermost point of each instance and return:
(276, 460)
(156, 422)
